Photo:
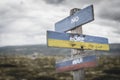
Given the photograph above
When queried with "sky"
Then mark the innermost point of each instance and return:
(25, 22)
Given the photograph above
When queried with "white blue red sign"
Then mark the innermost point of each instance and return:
(79, 18)
(76, 63)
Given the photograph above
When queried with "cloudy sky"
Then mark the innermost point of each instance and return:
(25, 22)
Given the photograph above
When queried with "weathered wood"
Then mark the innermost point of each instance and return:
(78, 74)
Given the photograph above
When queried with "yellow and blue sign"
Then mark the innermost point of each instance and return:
(79, 18)
(76, 41)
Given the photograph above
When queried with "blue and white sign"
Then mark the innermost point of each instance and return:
(79, 18)
(76, 37)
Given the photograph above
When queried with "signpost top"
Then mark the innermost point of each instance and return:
(79, 18)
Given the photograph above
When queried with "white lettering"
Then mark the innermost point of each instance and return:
(80, 39)
(74, 19)
(77, 38)
(77, 61)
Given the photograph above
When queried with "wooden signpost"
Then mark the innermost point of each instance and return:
(80, 73)
(76, 41)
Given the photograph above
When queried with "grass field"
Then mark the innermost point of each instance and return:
(43, 68)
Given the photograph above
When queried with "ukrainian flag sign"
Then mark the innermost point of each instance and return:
(76, 41)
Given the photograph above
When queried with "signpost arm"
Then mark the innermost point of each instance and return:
(78, 74)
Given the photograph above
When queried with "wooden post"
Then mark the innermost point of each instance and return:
(78, 74)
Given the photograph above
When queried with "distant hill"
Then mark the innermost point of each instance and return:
(114, 49)
(30, 49)
(43, 49)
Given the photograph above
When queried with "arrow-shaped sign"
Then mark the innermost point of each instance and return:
(79, 18)
(76, 41)
(76, 63)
